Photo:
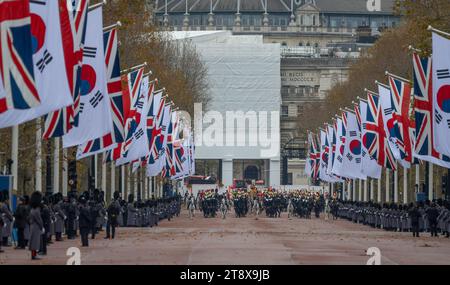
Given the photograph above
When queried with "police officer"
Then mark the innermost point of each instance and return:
(432, 214)
(113, 212)
(85, 221)
(415, 216)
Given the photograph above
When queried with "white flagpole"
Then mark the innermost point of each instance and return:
(396, 186)
(430, 183)
(38, 163)
(360, 190)
(372, 189)
(113, 179)
(405, 185)
(56, 167)
(64, 173)
(128, 191)
(365, 190)
(135, 184)
(144, 190)
(15, 156)
(122, 186)
(379, 191)
(343, 191)
(349, 190)
(95, 171)
(388, 174)
(418, 176)
(354, 190)
(104, 177)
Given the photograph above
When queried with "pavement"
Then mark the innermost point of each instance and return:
(246, 241)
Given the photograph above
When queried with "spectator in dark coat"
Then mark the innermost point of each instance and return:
(22, 214)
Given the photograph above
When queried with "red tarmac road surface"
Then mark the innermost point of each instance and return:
(247, 241)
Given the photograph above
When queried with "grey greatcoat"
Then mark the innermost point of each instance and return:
(7, 217)
(36, 226)
(60, 217)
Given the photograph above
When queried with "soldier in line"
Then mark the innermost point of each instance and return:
(413, 218)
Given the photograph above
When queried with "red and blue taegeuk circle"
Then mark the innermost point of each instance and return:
(443, 98)
(355, 147)
(325, 156)
(88, 79)
(38, 30)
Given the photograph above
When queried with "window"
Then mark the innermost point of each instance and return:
(290, 180)
(308, 44)
(300, 109)
(301, 90)
(300, 44)
(284, 111)
(284, 44)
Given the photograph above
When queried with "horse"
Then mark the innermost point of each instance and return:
(256, 208)
(191, 208)
(290, 209)
(327, 210)
(224, 208)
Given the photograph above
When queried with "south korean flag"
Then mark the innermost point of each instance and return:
(441, 94)
(49, 64)
(95, 108)
(353, 148)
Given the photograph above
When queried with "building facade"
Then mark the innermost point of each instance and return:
(319, 40)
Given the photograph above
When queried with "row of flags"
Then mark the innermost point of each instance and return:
(58, 62)
(402, 123)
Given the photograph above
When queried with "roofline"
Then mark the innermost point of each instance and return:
(287, 12)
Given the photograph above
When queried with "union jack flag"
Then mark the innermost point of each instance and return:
(333, 142)
(132, 104)
(169, 168)
(73, 23)
(313, 160)
(155, 133)
(375, 139)
(401, 101)
(423, 110)
(179, 157)
(16, 57)
(116, 98)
